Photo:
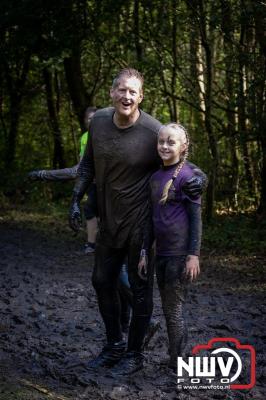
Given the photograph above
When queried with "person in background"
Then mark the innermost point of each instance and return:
(66, 174)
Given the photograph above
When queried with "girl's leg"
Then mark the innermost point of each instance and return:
(169, 275)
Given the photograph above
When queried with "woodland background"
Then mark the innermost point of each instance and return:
(203, 63)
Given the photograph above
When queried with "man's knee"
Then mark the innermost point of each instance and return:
(100, 281)
(103, 281)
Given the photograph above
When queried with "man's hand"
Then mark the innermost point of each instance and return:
(35, 175)
(74, 217)
(192, 267)
(195, 186)
(142, 266)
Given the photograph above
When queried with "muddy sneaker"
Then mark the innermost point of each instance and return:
(154, 326)
(89, 248)
(131, 362)
(109, 356)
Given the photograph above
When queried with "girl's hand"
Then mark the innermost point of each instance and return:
(142, 266)
(192, 267)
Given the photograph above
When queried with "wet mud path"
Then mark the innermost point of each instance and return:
(50, 326)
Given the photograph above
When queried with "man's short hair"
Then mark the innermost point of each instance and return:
(129, 73)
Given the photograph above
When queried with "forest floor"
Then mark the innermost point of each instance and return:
(50, 325)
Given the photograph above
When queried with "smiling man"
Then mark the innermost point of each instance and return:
(126, 94)
(121, 155)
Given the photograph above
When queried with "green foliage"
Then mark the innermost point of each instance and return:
(237, 234)
(169, 42)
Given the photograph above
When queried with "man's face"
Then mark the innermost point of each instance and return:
(127, 96)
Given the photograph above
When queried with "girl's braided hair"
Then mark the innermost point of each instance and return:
(177, 127)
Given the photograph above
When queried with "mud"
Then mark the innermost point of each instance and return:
(50, 325)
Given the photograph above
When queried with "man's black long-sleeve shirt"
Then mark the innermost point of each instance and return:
(122, 161)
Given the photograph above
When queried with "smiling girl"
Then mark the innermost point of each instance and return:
(177, 230)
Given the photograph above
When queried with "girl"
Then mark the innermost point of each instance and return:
(177, 230)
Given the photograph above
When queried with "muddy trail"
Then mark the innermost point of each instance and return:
(50, 325)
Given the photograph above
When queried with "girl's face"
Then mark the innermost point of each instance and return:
(171, 144)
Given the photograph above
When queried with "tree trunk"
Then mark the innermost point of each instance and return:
(262, 205)
(230, 93)
(58, 157)
(15, 105)
(260, 28)
(15, 90)
(80, 98)
(196, 72)
(210, 197)
(242, 128)
(175, 61)
(136, 31)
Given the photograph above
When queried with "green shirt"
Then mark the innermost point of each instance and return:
(83, 143)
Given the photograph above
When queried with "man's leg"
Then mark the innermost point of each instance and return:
(105, 279)
(141, 310)
(126, 297)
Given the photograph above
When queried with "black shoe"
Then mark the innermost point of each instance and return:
(131, 362)
(154, 326)
(109, 356)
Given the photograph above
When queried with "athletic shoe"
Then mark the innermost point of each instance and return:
(130, 363)
(109, 356)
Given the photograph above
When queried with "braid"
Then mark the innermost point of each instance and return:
(182, 161)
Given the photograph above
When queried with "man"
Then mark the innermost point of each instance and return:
(121, 155)
(90, 212)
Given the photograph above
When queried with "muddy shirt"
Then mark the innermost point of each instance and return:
(171, 220)
(122, 161)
